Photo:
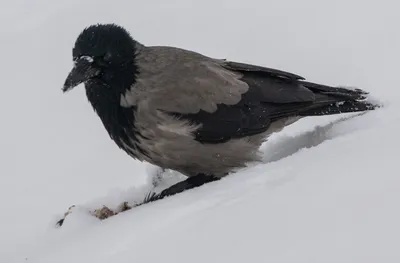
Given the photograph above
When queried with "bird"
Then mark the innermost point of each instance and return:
(181, 110)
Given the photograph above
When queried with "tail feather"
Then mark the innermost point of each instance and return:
(356, 94)
(338, 108)
(336, 100)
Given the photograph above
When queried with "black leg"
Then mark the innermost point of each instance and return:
(191, 182)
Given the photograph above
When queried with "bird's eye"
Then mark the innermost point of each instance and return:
(87, 58)
(107, 57)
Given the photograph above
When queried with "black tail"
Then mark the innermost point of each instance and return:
(335, 100)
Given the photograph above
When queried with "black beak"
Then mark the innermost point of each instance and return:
(81, 72)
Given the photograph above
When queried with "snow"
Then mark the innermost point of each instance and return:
(327, 192)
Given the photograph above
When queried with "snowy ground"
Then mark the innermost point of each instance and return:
(326, 193)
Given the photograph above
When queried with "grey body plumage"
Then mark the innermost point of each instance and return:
(182, 110)
(169, 141)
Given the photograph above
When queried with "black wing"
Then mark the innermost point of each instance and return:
(272, 95)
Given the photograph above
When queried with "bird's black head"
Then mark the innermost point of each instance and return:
(104, 53)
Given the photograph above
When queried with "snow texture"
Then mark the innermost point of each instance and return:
(329, 187)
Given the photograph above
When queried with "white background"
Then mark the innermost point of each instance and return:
(334, 200)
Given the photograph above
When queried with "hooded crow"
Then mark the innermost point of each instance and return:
(181, 110)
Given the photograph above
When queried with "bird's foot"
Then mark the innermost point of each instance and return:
(100, 213)
(190, 183)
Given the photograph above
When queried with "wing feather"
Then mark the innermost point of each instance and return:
(182, 81)
(253, 68)
(222, 99)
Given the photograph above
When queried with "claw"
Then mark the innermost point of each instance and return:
(61, 221)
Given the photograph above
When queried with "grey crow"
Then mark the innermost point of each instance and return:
(181, 110)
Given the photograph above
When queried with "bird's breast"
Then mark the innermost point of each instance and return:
(169, 142)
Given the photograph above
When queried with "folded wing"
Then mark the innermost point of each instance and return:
(229, 99)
